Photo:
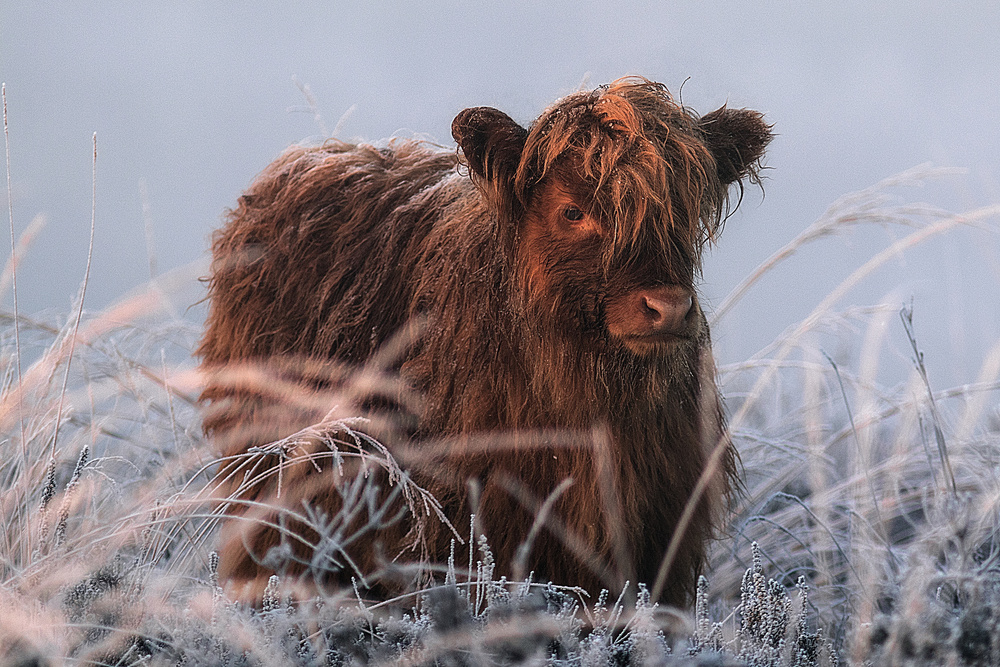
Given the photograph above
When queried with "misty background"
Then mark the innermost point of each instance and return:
(190, 100)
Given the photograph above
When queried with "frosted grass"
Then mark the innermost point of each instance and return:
(850, 542)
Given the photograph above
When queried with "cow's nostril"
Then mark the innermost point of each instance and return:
(653, 308)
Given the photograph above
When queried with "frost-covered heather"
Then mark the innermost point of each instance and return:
(865, 533)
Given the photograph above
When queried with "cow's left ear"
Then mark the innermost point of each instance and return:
(492, 143)
(737, 138)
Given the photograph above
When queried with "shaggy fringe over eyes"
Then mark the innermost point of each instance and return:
(640, 152)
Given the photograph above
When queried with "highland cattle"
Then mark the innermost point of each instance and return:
(518, 323)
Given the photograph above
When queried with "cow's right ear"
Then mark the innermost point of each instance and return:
(492, 143)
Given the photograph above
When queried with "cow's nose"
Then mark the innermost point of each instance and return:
(665, 308)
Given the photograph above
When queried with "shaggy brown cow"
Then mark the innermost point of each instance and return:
(557, 378)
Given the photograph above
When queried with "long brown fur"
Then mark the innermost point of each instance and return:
(525, 358)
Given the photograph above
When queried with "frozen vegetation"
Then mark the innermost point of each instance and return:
(865, 533)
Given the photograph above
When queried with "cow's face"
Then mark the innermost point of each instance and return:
(611, 196)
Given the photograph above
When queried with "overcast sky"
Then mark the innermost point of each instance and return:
(191, 99)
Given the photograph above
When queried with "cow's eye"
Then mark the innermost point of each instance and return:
(573, 214)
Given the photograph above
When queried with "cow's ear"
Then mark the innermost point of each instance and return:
(491, 142)
(737, 138)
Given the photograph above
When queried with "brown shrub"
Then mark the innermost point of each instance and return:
(551, 332)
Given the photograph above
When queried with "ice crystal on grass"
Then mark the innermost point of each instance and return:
(707, 635)
(764, 611)
(773, 629)
(71, 487)
(946, 607)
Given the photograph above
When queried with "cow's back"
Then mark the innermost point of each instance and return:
(312, 273)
